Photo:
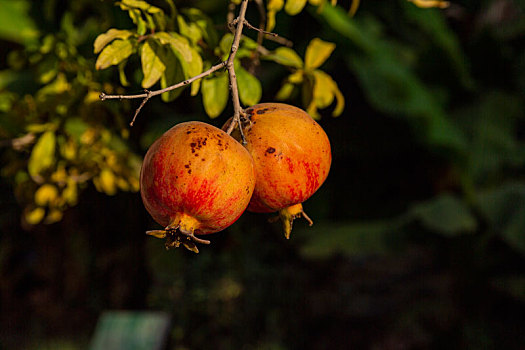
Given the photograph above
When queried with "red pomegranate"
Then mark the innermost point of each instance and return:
(195, 180)
(292, 158)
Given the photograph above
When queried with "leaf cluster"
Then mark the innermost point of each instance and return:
(177, 46)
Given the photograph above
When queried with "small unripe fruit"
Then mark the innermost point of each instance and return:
(195, 180)
(292, 158)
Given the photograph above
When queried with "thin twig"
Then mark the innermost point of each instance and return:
(218, 66)
(261, 31)
(260, 36)
(148, 96)
(231, 71)
(279, 40)
(19, 143)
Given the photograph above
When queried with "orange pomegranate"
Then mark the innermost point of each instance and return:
(195, 180)
(292, 158)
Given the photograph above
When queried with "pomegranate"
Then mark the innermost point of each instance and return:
(195, 180)
(292, 158)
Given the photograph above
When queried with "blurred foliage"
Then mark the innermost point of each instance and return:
(419, 235)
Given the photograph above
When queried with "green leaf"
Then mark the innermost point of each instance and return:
(226, 43)
(189, 58)
(392, 87)
(206, 25)
(75, 127)
(215, 94)
(494, 144)
(250, 90)
(503, 207)
(152, 65)
(58, 86)
(189, 30)
(173, 74)
(444, 214)
(317, 53)
(114, 53)
(293, 7)
(43, 154)
(324, 240)
(122, 74)
(103, 39)
(435, 28)
(136, 17)
(17, 23)
(340, 22)
(285, 56)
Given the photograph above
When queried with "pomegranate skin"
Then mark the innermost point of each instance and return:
(292, 158)
(196, 179)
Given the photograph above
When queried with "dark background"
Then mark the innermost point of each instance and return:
(419, 235)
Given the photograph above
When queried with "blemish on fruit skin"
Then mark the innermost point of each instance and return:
(269, 150)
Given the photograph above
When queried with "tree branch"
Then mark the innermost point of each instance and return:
(231, 71)
(150, 94)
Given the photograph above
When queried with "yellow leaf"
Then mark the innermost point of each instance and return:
(353, 7)
(69, 149)
(285, 91)
(273, 7)
(54, 215)
(317, 52)
(325, 89)
(92, 96)
(114, 53)
(59, 175)
(286, 56)
(45, 194)
(293, 7)
(340, 105)
(323, 92)
(70, 192)
(297, 77)
(108, 182)
(43, 154)
(103, 39)
(152, 65)
(430, 3)
(34, 216)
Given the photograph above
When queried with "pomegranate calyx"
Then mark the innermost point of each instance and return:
(289, 214)
(181, 231)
